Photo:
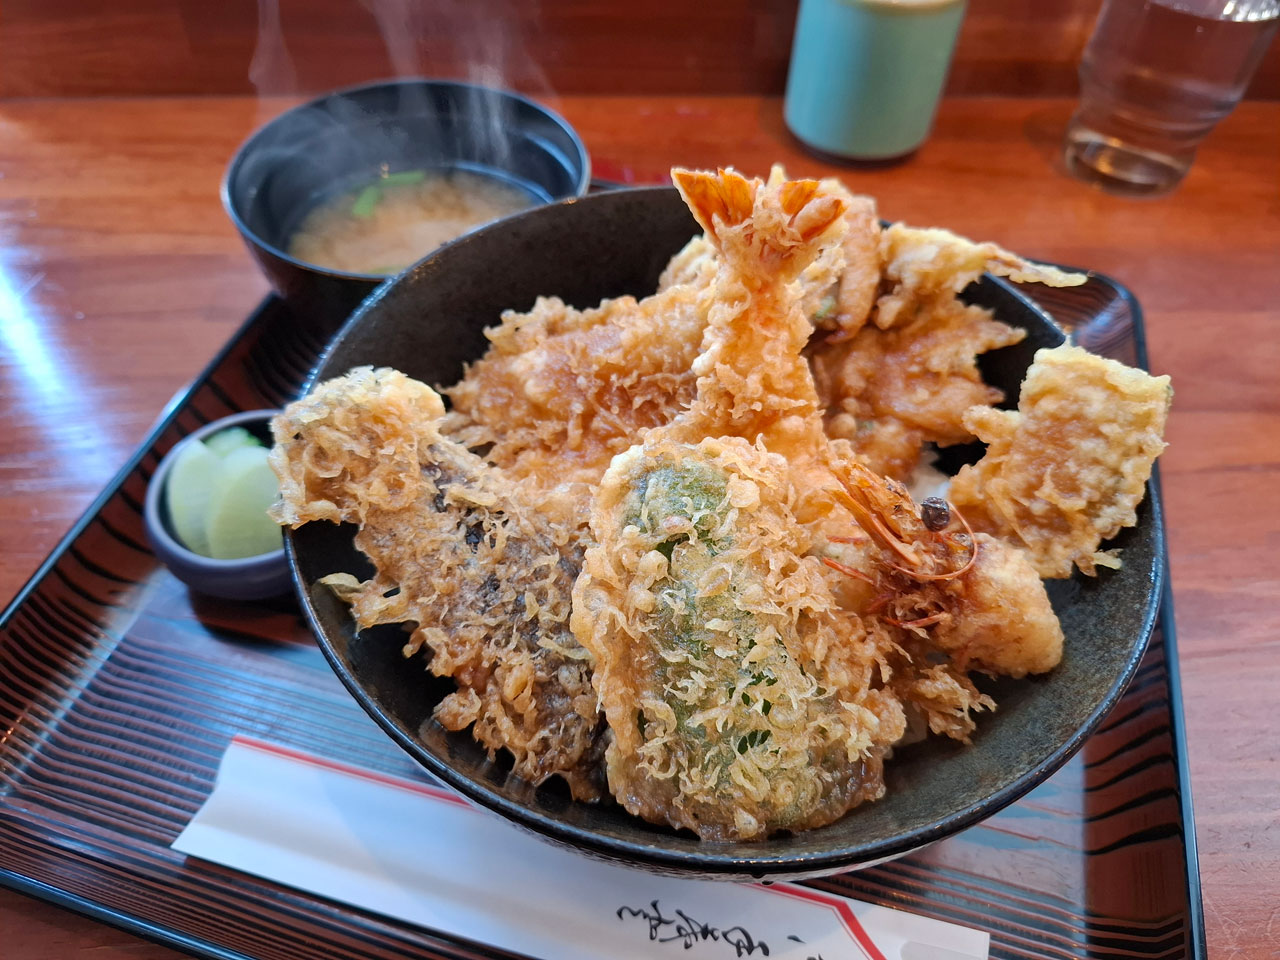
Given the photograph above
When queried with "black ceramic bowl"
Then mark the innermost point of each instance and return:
(348, 138)
(429, 322)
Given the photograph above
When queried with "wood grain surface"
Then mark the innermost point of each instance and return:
(120, 276)
(149, 47)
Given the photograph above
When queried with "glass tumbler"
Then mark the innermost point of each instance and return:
(1156, 76)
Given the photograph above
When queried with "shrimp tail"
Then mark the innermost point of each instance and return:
(765, 231)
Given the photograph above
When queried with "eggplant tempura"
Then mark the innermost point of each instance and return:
(681, 515)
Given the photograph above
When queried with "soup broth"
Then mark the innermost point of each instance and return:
(386, 225)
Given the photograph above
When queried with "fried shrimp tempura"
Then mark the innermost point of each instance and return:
(753, 380)
(837, 290)
(1069, 467)
(955, 601)
(737, 694)
(481, 568)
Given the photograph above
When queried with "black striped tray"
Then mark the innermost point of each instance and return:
(120, 691)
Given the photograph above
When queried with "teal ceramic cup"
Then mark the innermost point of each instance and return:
(866, 74)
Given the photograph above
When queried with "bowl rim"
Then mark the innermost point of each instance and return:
(153, 513)
(704, 860)
(238, 159)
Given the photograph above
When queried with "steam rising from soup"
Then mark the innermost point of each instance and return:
(386, 225)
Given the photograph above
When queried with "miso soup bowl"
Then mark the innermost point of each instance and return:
(348, 138)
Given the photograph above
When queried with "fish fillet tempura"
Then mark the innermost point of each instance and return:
(563, 390)
(891, 392)
(908, 376)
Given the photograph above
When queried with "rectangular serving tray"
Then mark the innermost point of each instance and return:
(120, 690)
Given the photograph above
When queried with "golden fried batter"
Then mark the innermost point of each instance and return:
(889, 392)
(924, 265)
(846, 276)
(695, 263)
(1068, 468)
(737, 694)
(837, 290)
(562, 390)
(483, 569)
(955, 601)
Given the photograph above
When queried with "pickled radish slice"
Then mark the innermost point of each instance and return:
(189, 489)
(232, 438)
(237, 524)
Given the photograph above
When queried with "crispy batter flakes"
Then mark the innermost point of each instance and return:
(561, 390)
(738, 695)
(925, 265)
(484, 570)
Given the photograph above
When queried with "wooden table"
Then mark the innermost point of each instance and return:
(120, 276)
